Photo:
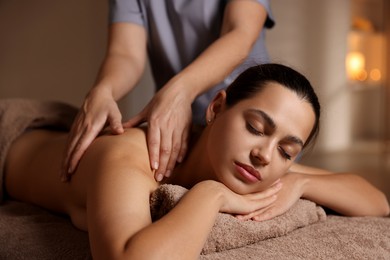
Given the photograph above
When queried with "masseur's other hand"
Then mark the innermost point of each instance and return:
(98, 109)
(291, 192)
(169, 120)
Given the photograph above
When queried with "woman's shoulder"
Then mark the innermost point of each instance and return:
(132, 138)
(131, 144)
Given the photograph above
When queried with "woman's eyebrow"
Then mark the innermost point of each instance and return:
(294, 139)
(268, 120)
(271, 123)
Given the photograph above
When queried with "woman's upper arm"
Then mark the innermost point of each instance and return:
(118, 194)
(118, 207)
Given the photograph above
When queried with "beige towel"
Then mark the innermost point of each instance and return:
(229, 232)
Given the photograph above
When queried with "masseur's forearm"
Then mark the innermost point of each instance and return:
(119, 75)
(348, 194)
(243, 22)
(125, 60)
(181, 233)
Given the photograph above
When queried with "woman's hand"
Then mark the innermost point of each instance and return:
(98, 109)
(291, 192)
(169, 119)
(250, 203)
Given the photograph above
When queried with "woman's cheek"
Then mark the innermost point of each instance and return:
(281, 173)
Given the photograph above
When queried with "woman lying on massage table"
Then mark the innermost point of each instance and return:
(242, 163)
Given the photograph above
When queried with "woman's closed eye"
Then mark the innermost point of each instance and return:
(256, 131)
(283, 152)
(253, 129)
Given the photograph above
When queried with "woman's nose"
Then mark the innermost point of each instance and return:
(261, 155)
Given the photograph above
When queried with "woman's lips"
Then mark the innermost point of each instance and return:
(248, 172)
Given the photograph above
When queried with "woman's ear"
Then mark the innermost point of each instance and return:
(216, 106)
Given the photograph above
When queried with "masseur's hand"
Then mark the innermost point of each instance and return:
(291, 192)
(169, 121)
(98, 109)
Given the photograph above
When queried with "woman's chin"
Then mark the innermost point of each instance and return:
(240, 187)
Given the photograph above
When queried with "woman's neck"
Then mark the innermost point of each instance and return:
(196, 166)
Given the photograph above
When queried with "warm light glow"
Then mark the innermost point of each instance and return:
(364, 62)
(355, 63)
(362, 75)
(375, 75)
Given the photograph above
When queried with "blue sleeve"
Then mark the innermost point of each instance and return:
(269, 22)
(126, 11)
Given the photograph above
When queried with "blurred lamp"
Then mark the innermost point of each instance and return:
(365, 58)
(355, 64)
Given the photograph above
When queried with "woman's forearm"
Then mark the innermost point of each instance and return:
(182, 233)
(347, 194)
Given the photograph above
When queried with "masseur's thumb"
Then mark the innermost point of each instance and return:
(134, 121)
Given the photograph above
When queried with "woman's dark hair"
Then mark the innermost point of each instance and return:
(255, 79)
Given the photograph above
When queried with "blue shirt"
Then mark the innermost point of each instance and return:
(178, 31)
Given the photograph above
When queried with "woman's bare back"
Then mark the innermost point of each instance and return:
(33, 166)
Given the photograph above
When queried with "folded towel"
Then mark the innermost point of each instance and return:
(228, 232)
(17, 115)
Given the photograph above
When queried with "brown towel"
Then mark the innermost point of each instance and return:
(16, 115)
(228, 232)
(30, 232)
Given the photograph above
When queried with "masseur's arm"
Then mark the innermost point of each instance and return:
(121, 70)
(169, 112)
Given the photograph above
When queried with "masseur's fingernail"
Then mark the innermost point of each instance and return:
(155, 165)
(168, 173)
(159, 177)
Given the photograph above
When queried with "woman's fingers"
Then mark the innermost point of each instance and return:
(243, 205)
(274, 189)
(255, 214)
(267, 213)
(261, 201)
